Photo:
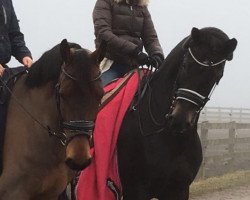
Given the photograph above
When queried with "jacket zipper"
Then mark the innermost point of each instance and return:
(132, 19)
(5, 15)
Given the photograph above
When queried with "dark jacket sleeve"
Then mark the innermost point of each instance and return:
(102, 17)
(18, 47)
(149, 36)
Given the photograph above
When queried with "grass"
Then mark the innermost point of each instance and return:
(213, 184)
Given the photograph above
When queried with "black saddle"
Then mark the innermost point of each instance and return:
(8, 80)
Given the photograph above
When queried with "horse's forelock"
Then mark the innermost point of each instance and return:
(210, 32)
(47, 67)
(84, 64)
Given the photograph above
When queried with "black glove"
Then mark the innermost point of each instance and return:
(141, 58)
(156, 60)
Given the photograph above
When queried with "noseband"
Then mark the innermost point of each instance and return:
(192, 96)
(75, 127)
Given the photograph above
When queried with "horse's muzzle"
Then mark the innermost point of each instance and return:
(77, 167)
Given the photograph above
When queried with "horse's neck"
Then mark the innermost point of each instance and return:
(164, 83)
(27, 108)
(36, 103)
(157, 100)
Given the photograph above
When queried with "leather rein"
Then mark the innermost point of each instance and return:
(179, 93)
(75, 127)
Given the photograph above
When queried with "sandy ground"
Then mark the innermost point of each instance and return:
(238, 193)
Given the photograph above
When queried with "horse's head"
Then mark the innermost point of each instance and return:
(206, 52)
(79, 93)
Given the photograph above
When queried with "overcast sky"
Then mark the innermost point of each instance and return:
(46, 22)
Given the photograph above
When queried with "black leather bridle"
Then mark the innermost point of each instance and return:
(192, 96)
(181, 93)
(75, 127)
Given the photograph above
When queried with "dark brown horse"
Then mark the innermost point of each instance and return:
(50, 119)
(159, 150)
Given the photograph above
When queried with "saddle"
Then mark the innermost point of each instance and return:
(110, 94)
(7, 82)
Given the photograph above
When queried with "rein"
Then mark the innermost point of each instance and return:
(179, 93)
(77, 127)
(148, 75)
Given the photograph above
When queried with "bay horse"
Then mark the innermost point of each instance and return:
(159, 150)
(50, 118)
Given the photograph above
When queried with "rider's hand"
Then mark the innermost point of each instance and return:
(156, 61)
(27, 61)
(1, 70)
(141, 58)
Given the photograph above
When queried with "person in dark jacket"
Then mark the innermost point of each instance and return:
(11, 39)
(126, 27)
(11, 43)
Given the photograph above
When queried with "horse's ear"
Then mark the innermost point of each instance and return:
(99, 53)
(186, 42)
(65, 51)
(229, 48)
(195, 34)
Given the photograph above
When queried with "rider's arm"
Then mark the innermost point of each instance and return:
(102, 17)
(149, 36)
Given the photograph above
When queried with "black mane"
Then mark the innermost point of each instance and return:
(47, 67)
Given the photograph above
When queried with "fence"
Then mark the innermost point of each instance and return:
(224, 152)
(219, 114)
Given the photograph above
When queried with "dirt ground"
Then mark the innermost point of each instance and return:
(237, 193)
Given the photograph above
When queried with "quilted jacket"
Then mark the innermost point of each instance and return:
(125, 25)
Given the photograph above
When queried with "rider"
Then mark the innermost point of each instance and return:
(11, 43)
(126, 26)
(11, 39)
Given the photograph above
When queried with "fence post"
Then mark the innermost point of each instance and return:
(231, 114)
(205, 114)
(219, 114)
(231, 145)
(204, 141)
(240, 115)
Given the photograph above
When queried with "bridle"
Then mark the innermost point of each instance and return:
(185, 94)
(75, 127)
(192, 96)
(211, 63)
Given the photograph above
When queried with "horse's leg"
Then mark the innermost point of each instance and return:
(65, 195)
(51, 196)
(18, 194)
(135, 192)
(173, 193)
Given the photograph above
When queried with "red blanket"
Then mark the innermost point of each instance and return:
(100, 181)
